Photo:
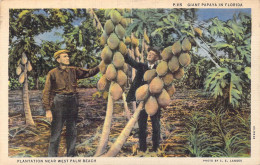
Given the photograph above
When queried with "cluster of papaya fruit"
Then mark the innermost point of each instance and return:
(157, 93)
(24, 63)
(113, 66)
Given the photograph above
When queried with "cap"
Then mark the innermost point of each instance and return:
(155, 49)
(56, 54)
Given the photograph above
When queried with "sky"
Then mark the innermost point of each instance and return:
(222, 14)
(203, 15)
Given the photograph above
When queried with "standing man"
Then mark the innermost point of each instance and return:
(60, 88)
(152, 56)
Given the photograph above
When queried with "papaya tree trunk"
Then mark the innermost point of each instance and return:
(99, 25)
(142, 51)
(116, 147)
(127, 113)
(132, 54)
(206, 52)
(26, 104)
(106, 127)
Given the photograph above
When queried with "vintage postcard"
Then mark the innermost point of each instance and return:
(130, 82)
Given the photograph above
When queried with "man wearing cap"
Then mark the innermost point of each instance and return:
(152, 56)
(60, 88)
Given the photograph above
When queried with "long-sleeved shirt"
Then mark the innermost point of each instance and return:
(64, 81)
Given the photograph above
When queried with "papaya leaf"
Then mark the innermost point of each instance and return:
(248, 72)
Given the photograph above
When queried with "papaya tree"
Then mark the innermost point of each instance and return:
(113, 68)
(26, 25)
(22, 71)
(231, 82)
(153, 95)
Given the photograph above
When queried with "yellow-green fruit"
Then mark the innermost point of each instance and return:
(162, 68)
(102, 83)
(24, 59)
(135, 41)
(116, 91)
(111, 72)
(19, 70)
(167, 53)
(164, 99)
(120, 31)
(176, 48)
(115, 16)
(121, 78)
(146, 38)
(107, 13)
(103, 39)
(102, 67)
(127, 40)
(125, 68)
(29, 66)
(179, 74)
(198, 31)
(113, 41)
(151, 106)
(109, 27)
(167, 79)
(184, 59)
(122, 48)
(173, 64)
(171, 90)
(21, 78)
(118, 60)
(106, 55)
(142, 92)
(186, 45)
(123, 22)
(156, 85)
(149, 75)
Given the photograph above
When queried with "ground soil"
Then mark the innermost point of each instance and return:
(33, 142)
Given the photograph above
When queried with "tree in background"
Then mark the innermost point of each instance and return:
(21, 71)
(27, 24)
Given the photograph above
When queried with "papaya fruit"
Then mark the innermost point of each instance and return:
(164, 99)
(151, 106)
(111, 72)
(156, 85)
(106, 55)
(121, 78)
(116, 91)
(149, 75)
(113, 41)
(176, 48)
(173, 64)
(162, 68)
(118, 60)
(142, 92)
(186, 45)
(167, 53)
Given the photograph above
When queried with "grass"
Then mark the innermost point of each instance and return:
(215, 133)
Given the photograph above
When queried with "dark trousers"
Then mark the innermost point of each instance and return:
(64, 108)
(142, 122)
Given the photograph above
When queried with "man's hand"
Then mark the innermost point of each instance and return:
(49, 115)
